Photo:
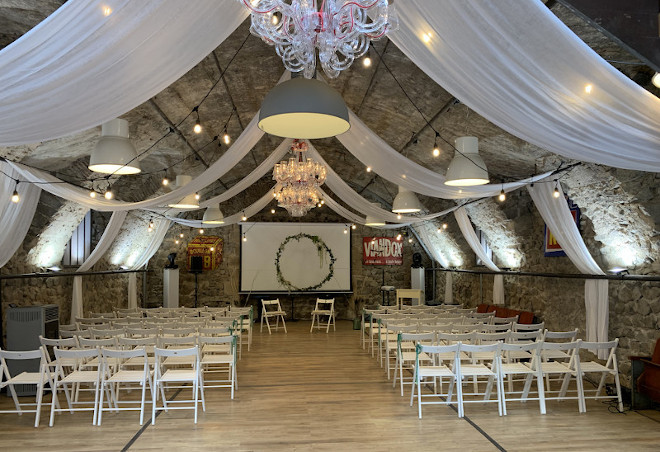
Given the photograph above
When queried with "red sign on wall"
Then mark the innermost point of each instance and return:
(382, 251)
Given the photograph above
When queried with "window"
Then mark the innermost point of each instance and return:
(80, 245)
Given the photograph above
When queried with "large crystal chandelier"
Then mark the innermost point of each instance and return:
(298, 181)
(341, 30)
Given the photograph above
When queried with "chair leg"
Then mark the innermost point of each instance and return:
(40, 394)
(100, 415)
(311, 328)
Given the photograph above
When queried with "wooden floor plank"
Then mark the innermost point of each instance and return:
(322, 392)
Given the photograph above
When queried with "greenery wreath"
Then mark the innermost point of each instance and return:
(321, 248)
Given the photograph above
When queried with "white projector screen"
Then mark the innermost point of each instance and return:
(313, 257)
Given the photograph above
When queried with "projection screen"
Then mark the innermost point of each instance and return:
(295, 257)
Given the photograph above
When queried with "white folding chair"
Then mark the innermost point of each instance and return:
(244, 324)
(164, 376)
(566, 371)
(436, 370)
(115, 375)
(39, 378)
(218, 356)
(323, 308)
(406, 354)
(272, 309)
(510, 365)
(67, 376)
(480, 367)
(610, 367)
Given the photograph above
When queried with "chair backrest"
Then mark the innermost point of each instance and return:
(595, 347)
(560, 336)
(325, 304)
(494, 348)
(179, 332)
(61, 343)
(452, 338)
(79, 356)
(417, 338)
(127, 343)
(500, 320)
(528, 326)
(216, 331)
(491, 338)
(176, 342)
(270, 305)
(438, 353)
(531, 347)
(123, 355)
(495, 328)
(21, 355)
(142, 332)
(203, 339)
(521, 337)
(105, 333)
(92, 343)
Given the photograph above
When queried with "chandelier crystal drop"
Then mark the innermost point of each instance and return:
(298, 181)
(341, 30)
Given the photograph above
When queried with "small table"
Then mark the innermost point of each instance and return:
(412, 294)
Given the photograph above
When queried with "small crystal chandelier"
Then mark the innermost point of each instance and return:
(298, 181)
(341, 30)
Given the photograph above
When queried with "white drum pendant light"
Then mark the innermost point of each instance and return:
(467, 168)
(114, 153)
(406, 202)
(372, 220)
(213, 215)
(189, 202)
(303, 108)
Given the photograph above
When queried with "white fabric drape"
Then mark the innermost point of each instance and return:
(157, 236)
(108, 236)
(558, 219)
(250, 210)
(385, 161)
(243, 144)
(449, 288)
(471, 238)
(423, 234)
(534, 71)
(79, 68)
(15, 218)
(132, 291)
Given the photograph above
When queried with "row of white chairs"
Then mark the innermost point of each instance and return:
(106, 365)
(458, 361)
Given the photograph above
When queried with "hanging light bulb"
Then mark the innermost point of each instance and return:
(556, 193)
(319, 205)
(212, 249)
(201, 231)
(323, 201)
(108, 194)
(345, 230)
(366, 62)
(410, 240)
(197, 196)
(368, 169)
(225, 136)
(436, 148)
(150, 229)
(398, 237)
(15, 197)
(92, 194)
(502, 196)
(244, 238)
(243, 218)
(197, 128)
(176, 241)
(151, 223)
(272, 210)
(439, 230)
(398, 216)
(444, 225)
(166, 181)
(353, 226)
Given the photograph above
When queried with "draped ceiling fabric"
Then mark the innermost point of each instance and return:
(78, 68)
(15, 218)
(108, 236)
(471, 237)
(534, 70)
(558, 219)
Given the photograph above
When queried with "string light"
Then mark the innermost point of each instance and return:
(444, 225)
(272, 210)
(197, 128)
(108, 194)
(426, 37)
(151, 223)
(15, 198)
(166, 181)
(366, 62)
(398, 216)
(436, 148)
(243, 218)
(556, 193)
(319, 205)
(345, 230)
(181, 235)
(176, 241)
(244, 238)
(439, 230)
(225, 136)
(588, 88)
(410, 240)
(201, 231)
(502, 195)
(398, 237)
(368, 169)
(197, 196)
(353, 226)
(212, 249)
(92, 194)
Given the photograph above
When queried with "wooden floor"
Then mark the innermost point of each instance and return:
(302, 391)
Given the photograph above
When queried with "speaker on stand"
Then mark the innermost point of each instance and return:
(196, 267)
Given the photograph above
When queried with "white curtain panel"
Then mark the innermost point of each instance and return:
(157, 236)
(132, 290)
(108, 236)
(79, 68)
(243, 144)
(449, 288)
(517, 65)
(471, 238)
(423, 234)
(385, 161)
(15, 218)
(558, 219)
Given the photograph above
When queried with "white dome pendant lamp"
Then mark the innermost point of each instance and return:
(114, 153)
(406, 202)
(189, 202)
(303, 108)
(467, 168)
(213, 215)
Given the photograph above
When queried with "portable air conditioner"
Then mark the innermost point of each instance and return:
(24, 326)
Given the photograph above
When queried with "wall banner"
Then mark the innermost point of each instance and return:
(382, 251)
(552, 248)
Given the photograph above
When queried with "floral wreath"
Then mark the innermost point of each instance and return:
(321, 248)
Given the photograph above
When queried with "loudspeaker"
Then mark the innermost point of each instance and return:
(417, 260)
(196, 264)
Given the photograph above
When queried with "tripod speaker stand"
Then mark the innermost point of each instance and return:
(196, 267)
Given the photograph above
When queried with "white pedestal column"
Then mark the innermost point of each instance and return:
(171, 288)
(417, 282)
